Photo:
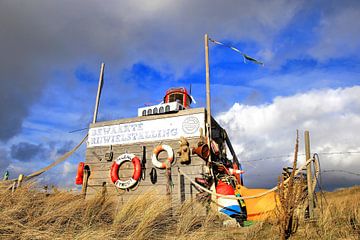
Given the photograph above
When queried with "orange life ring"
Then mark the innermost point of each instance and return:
(155, 155)
(114, 171)
(80, 174)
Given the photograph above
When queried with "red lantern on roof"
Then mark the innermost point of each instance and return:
(179, 95)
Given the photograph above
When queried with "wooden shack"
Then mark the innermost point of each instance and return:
(140, 135)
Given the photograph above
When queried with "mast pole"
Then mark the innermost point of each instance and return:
(99, 91)
(208, 104)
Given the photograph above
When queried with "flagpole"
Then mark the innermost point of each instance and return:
(208, 103)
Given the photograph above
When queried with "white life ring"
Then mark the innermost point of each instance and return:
(155, 155)
(114, 171)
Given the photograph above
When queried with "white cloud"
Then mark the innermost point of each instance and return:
(331, 115)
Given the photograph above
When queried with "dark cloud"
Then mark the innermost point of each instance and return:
(39, 38)
(26, 152)
(4, 160)
(65, 147)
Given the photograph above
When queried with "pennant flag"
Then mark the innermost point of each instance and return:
(246, 57)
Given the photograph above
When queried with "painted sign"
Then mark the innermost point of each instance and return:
(146, 131)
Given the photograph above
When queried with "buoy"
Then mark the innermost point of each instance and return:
(80, 174)
(114, 171)
(155, 155)
(226, 206)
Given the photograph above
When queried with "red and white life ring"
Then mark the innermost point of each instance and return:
(114, 171)
(155, 155)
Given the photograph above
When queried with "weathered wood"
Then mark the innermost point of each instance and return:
(98, 92)
(181, 187)
(85, 181)
(99, 175)
(207, 72)
(309, 175)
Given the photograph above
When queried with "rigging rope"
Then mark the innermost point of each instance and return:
(254, 196)
(56, 162)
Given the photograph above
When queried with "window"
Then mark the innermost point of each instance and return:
(161, 110)
(144, 113)
(155, 110)
(149, 111)
(167, 108)
(176, 97)
(188, 101)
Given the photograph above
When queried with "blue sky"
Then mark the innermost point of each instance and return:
(51, 55)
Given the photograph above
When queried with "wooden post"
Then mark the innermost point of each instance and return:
(309, 175)
(6, 176)
(99, 91)
(85, 182)
(208, 102)
(181, 187)
(20, 179)
(13, 187)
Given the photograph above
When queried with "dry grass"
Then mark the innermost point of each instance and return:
(30, 214)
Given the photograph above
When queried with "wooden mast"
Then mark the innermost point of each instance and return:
(208, 103)
(99, 92)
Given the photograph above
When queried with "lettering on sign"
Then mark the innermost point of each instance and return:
(150, 130)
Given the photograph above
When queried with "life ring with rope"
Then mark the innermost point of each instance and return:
(156, 153)
(114, 171)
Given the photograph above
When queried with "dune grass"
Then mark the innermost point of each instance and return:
(31, 214)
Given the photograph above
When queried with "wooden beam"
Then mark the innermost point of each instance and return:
(208, 100)
(98, 92)
(309, 176)
(181, 187)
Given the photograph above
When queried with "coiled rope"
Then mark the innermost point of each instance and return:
(257, 195)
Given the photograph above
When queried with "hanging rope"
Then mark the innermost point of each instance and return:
(247, 197)
(53, 164)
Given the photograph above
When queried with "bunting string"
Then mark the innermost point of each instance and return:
(245, 57)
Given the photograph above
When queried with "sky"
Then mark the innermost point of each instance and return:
(50, 55)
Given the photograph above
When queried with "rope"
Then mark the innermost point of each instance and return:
(247, 197)
(300, 154)
(340, 170)
(53, 164)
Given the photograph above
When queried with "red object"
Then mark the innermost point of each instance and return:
(179, 94)
(80, 174)
(114, 172)
(224, 188)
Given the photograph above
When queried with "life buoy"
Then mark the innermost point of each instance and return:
(114, 171)
(155, 155)
(80, 174)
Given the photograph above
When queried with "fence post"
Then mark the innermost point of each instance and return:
(309, 175)
(85, 181)
(20, 179)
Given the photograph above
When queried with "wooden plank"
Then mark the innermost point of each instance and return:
(97, 154)
(100, 168)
